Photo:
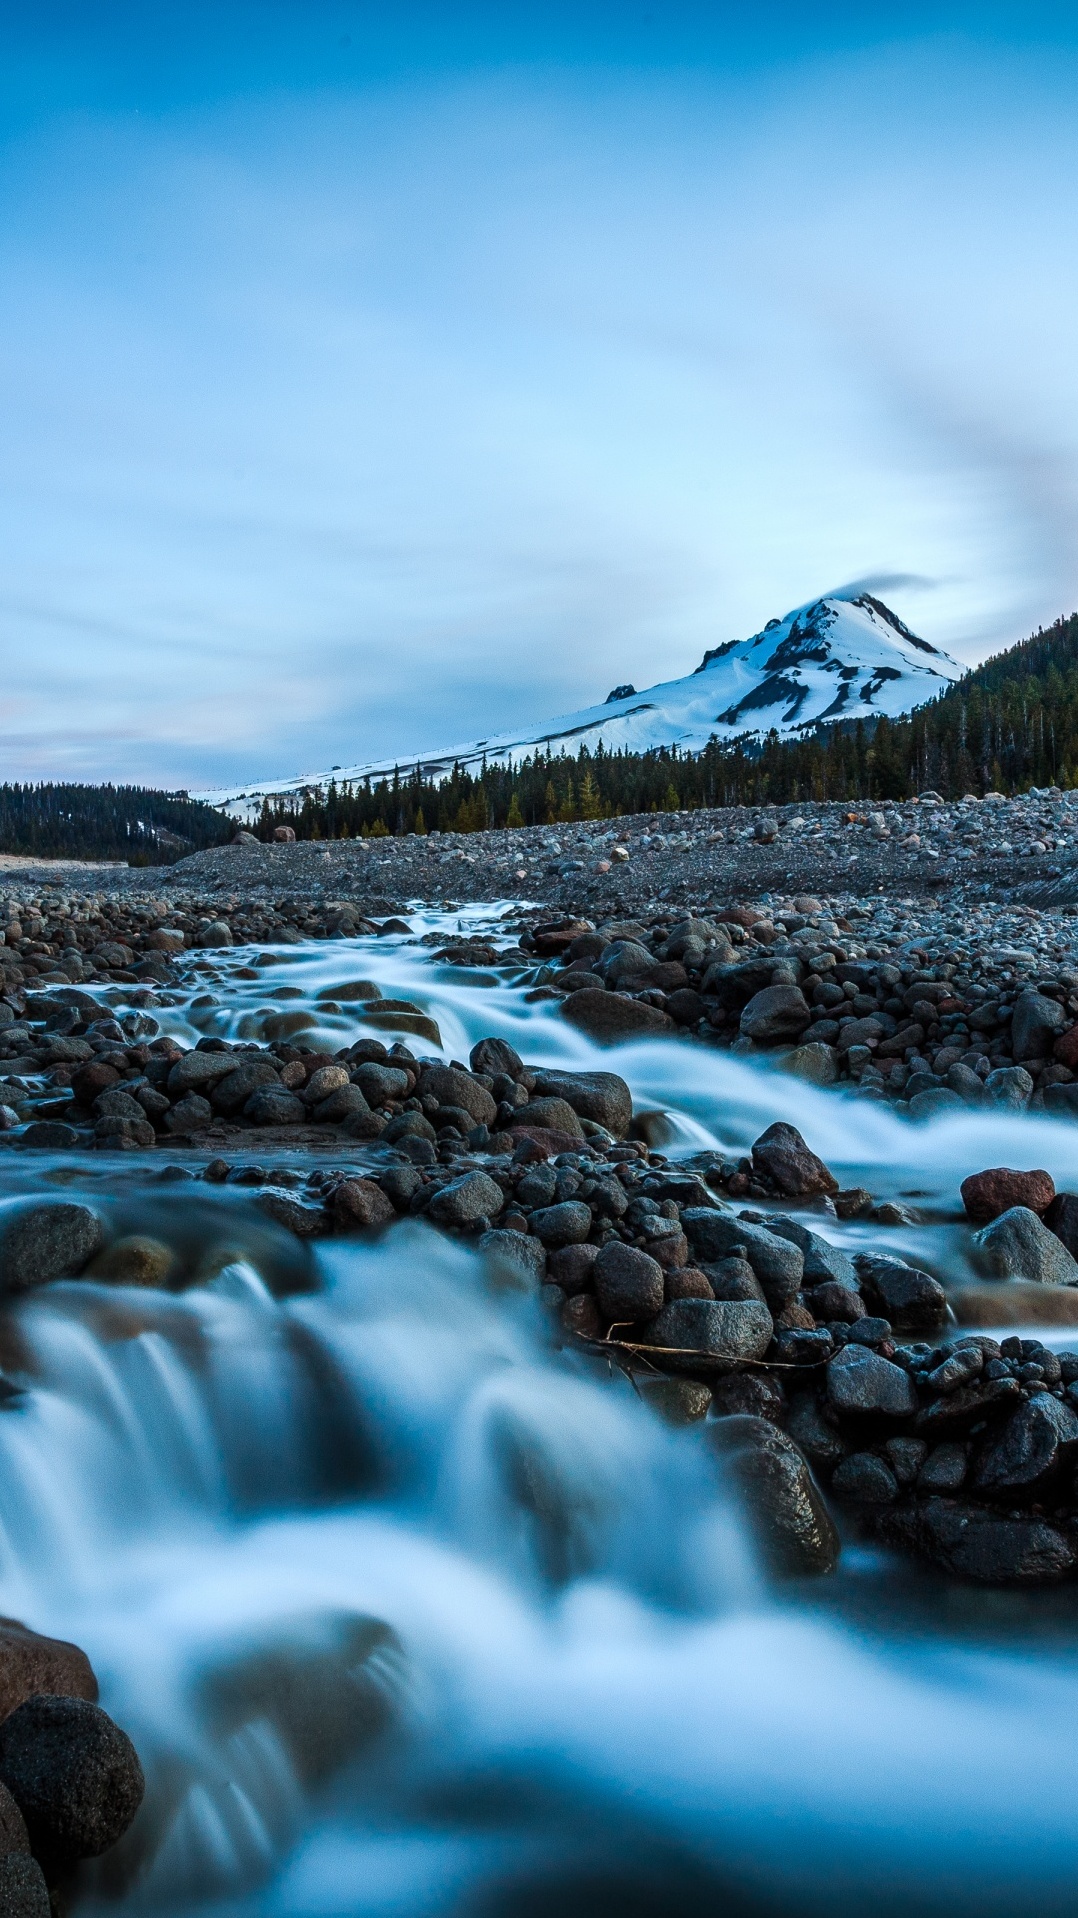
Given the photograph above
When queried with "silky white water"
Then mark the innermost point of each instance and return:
(409, 1612)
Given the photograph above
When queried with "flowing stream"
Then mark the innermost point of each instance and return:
(410, 1613)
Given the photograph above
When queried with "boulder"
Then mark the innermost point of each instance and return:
(778, 1265)
(860, 1383)
(697, 1336)
(322, 1082)
(23, 1892)
(960, 1411)
(494, 1056)
(628, 1283)
(515, 1255)
(196, 1071)
(74, 1775)
(756, 1393)
(624, 959)
(602, 1097)
(230, 1094)
(785, 1512)
(272, 1105)
(986, 1194)
(815, 1062)
(1009, 1087)
(566, 1224)
(452, 1087)
(823, 1261)
(866, 1479)
(776, 1014)
(45, 1240)
(1061, 1218)
(973, 1543)
(466, 1200)
(360, 1205)
(1035, 1026)
(609, 1018)
(1039, 1438)
(31, 1663)
(379, 1082)
(136, 1259)
(1018, 1245)
(782, 1156)
(192, 1113)
(911, 1300)
(733, 1278)
(217, 933)
(571, 1267)
(554, 1115)
(347, 1102)
(822, 1445)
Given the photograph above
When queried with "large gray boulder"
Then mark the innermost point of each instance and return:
(602, 1097)
(1018, 1245)
(705, 1336)
(973, 1543)
(778, 1265)
(823, 1261)
(786, 1514)
(467, 1200)
(775, 1015)
(1034, 1026)
(454, 1088)
(74, 1775)
(863, 1384)
(1039, 1438)
(912, 1301)
(609, 1018)
(628, 1282)
(45, 1240)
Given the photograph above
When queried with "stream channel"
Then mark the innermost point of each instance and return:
(411, 1613)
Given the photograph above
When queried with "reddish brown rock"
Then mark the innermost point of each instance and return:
(94, 1077)
(687, 1282)
(784, 1158)
(670, 1253)
(986, 1194)
(359, 1203)
(1065, 1050)
(31, 1663)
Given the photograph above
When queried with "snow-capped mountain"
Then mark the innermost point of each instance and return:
(843, 657)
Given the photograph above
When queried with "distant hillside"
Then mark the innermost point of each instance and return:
(106, 822)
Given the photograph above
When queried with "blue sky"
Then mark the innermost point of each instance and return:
(373, 377)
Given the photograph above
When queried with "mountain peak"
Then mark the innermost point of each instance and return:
(845, 656)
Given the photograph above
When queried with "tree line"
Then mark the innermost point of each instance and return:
(1006, 725)
(129, 823)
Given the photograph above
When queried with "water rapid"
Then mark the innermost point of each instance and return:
(410, 1612)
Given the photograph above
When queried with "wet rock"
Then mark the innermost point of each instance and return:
(1018, 1245)
(913, 1301)
(273, 1106)
(40, 1242)
(74, 1775)
(778, 1265)
(454, 1088)
(602, 1097)
(782, 1156)
(580, 1316)
(192, 1113)
(494, 1056)
(960, 1411)
(628, 1283)
(134, 1260)
(23, 1892)
(1009, 1087)
(1035, 1026)
(566, 1224)
(835, 1302)
(379, 1082)
(776, 1014)
(230, 1094)
(515, 1255)
(217, 933)
(866, 1479)
(934, 1100)
(1040, 1436)
(733, 1278)
(815, 1062)
(554, 1115)
(986, 1194)
(572, 1267)
(698, 1336)
(346, 1102)
(788, 1518)
(686, 1282)
(754, 1393)
(678, 1401)
(861, 1383)
(823, 1261)
(51, 1135)
(360, 1205)
(819, 1441)
(943, 1471)
(905, 1456)
(32, 1663)
(1061, 1100)
(303, 1221)
(1061, 1217)
(609, 1018)
(466, 1200)
(973, 1543)
(195, 1071)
